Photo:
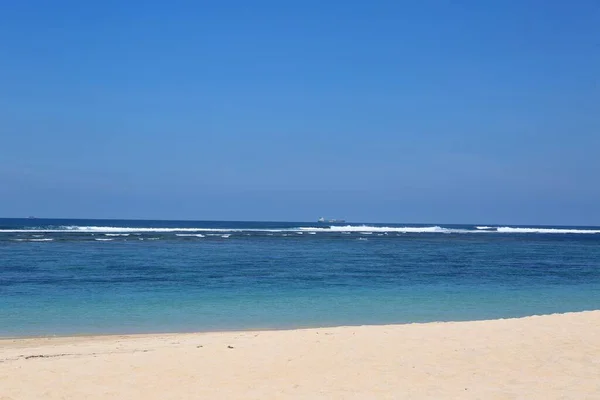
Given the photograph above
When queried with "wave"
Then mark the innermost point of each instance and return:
(110, 231)
(104, 240)
(114, 230)
(124, 231)
(33, 240)
(121, 230)
(507, 229)
(364, 229)
(190, 235)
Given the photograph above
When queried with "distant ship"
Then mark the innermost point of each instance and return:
(331, 221)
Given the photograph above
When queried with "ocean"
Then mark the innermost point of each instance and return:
(65, 277)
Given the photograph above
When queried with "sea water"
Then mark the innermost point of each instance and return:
(61, 277)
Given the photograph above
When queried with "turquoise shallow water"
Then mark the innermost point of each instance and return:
(87, 276)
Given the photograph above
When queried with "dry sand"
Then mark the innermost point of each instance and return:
(542, 357)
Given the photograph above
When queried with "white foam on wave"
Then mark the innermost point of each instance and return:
(33, 240)
(104, 239)
(190, 235)
(226, 235)
(365, 229)
(347, 229)
(507, 229)
(123, 231)
(136, 231)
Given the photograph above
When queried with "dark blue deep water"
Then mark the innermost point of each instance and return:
(92, 276)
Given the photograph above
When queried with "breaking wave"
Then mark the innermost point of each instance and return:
(364, 229)
(33, 240)
(190, 235)
(117, 231)
(122, 231)
(507, 229)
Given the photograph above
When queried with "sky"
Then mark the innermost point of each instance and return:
(375, 111)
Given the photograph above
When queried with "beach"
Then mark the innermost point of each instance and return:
(543, 357)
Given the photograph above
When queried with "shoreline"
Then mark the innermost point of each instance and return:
(543, 356)
(264, 330)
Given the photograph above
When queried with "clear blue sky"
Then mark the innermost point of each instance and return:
(421, 111)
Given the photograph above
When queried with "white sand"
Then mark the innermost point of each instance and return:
(545, 357)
